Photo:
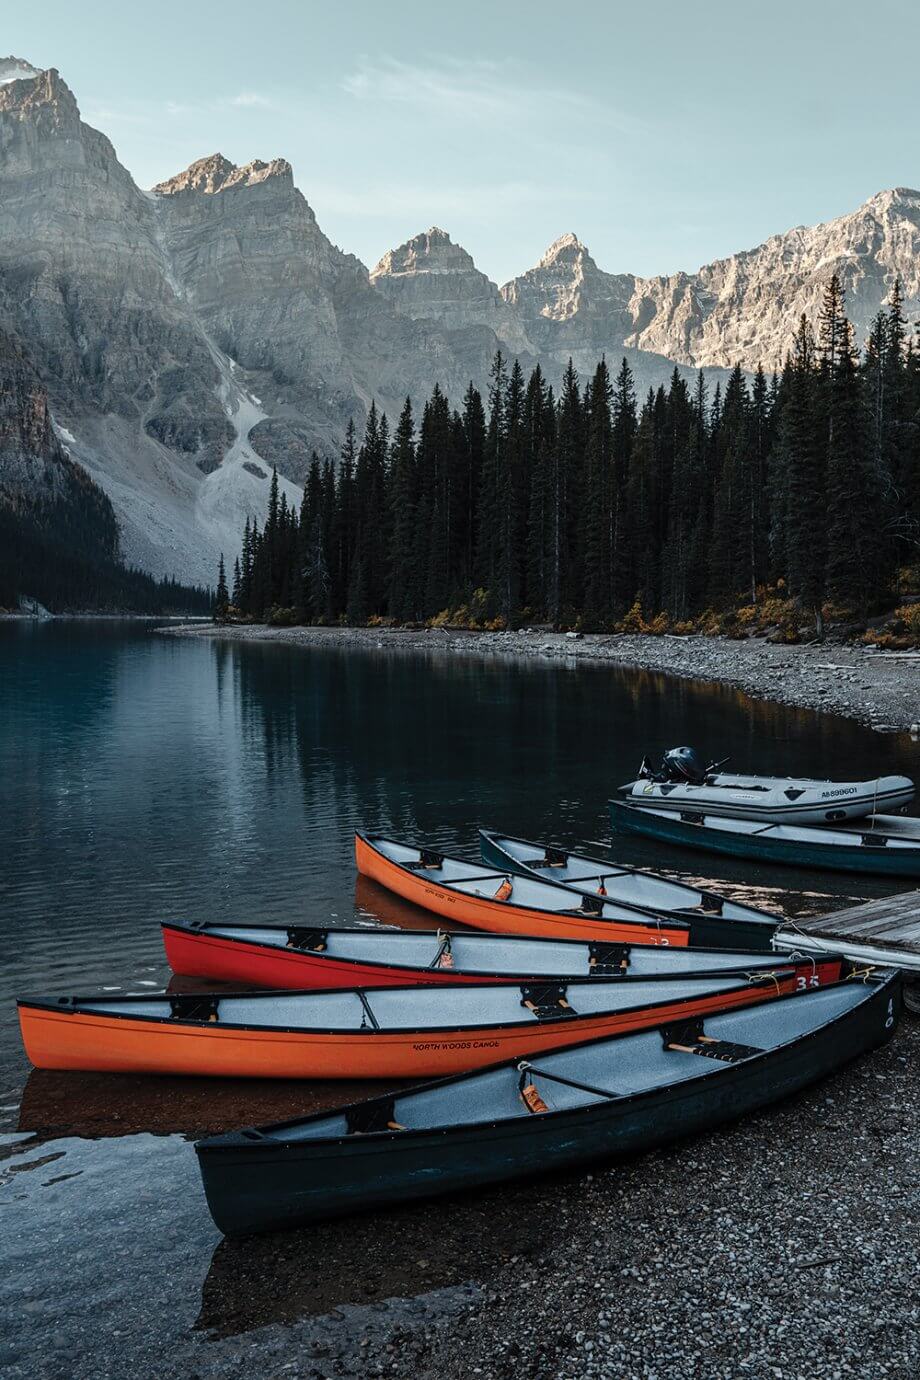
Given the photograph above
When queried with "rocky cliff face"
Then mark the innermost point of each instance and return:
(54, 498)
(737, 310)
(192, 336)
(743, 309)
(434, 280)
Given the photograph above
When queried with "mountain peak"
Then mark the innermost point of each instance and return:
(893, 196)
(431, 251)
(16, 69)
(27, 90)
(215, 173)
(566, 249)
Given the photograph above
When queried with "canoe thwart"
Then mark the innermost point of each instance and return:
(526, 1068)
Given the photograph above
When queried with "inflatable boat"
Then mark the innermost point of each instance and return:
(683, 783)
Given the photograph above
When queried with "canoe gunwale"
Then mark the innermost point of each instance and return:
(784, 971)
(251, 1139)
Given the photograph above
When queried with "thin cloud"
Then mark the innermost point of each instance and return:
(476, 89)
(251, 99)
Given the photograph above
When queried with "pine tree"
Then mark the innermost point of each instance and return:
(598, 493)
(403, 597)
(803, 459)
(491, 520)
(565, 489)
(221, 594)
(624, 424)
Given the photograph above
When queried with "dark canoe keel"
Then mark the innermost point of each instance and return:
(257, 1183)
(632, 819)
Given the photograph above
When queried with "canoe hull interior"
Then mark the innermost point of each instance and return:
(268, 1185)
(498, 917)
(109, 1043)
(853, 857)
(707, 930)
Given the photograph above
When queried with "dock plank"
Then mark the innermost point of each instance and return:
(889, 927)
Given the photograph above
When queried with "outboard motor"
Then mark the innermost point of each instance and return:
(684, 764)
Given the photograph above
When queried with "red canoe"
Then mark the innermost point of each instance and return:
(299, 956)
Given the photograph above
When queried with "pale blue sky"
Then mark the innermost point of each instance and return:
(664, 135)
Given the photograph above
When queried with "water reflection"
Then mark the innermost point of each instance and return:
(102, 1105)
(286, 1276)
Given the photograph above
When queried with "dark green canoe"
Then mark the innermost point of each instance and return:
(886, 844)
(569, 1107)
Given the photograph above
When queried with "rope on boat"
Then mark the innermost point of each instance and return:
(760, 977)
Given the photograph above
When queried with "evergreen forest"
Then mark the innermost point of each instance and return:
(600, 510)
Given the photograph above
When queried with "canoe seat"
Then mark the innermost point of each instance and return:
(607, 960)
(299, 937)
(190, 1006)
(711, 903)
(690, 1038)
(428, 859)
(366, 1117)
(590, 905)
(547, 1001)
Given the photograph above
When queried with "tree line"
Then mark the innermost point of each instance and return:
(64, 551)
(580, 507)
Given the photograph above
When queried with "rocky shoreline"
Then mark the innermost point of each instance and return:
(881, 690)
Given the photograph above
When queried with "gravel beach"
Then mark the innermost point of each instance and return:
(880, 690)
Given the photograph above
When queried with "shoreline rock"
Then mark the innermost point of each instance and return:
(881, 691)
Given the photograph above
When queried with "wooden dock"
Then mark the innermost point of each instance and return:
(884, 931)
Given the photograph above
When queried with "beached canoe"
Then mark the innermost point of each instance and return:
(289, 956)
(400, 1032)
(887, 844)
(610, 1097)
(624, 885)
(683, 782)
(487, 899)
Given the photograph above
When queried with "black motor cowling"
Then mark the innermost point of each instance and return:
(684, 764)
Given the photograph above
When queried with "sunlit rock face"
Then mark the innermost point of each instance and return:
(743, 309)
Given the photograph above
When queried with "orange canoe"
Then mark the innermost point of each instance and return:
(386, 1033)
(470, 894)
